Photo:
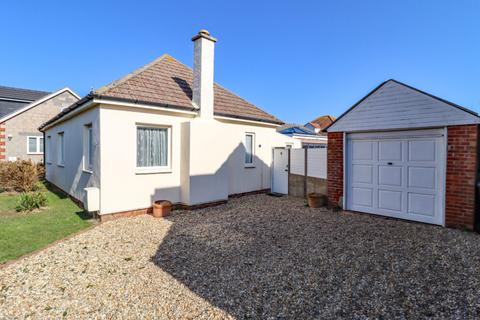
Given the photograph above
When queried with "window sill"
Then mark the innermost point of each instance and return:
(152, 170)
(249, 166)
(60, 165)
(87, 171)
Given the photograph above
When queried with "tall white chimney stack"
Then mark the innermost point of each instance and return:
(203, 52)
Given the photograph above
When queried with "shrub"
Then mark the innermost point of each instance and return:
(41, 171)
(29, 201)
(18, 175)
(38, 186)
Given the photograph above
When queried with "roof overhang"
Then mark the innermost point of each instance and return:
(92, 100)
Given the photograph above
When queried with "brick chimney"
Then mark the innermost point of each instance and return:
(203, 53)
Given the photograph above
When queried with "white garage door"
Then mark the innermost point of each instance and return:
(397, 174)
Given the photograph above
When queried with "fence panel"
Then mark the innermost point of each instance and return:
(317, 163)
(297, 161)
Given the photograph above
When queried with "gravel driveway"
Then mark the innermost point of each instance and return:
(255, 257)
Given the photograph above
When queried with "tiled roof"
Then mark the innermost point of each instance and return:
(7, 107)
(8, 96)
(168, 81)
(322, 121)
(21, 94)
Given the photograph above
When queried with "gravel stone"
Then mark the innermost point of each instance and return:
(254, 257)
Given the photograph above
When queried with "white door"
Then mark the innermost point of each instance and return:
(397, 174)
(280, 171)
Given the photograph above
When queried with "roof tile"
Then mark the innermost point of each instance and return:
(168, 81)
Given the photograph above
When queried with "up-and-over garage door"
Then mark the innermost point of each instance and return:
(397, 174)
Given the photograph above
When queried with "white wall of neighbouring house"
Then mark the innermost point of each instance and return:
(207, 159)
(72, 176)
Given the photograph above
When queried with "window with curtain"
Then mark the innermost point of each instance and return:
(249, 148)
(35, 145)
(61, 149)
(152, 147)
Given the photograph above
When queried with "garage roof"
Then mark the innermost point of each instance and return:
(395, 105)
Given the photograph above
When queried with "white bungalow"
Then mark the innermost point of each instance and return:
(164, 132)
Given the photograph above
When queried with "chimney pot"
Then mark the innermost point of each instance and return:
(204, 34)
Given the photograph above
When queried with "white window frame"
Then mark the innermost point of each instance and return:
(158, 169)
(61, 149)
(48, 150)
(87, 140)
(247, 164)
(38, 139)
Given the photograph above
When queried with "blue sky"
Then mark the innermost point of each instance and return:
(296, 59)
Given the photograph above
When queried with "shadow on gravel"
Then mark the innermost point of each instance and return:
(260, 257)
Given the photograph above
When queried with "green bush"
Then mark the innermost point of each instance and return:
(29, 201)
(18, 176)
(38, 186)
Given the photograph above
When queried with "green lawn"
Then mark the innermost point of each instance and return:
(21, 233)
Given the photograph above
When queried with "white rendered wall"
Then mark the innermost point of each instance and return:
(207, 160)
(246, 179)
(123, 188)
(71, 177)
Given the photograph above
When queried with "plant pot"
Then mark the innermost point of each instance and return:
(316, 200)
(161, 208)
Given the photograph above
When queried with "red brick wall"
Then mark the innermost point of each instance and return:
(461, 176)
(335, 167)
(2, 141)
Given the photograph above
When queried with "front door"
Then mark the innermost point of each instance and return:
(280, 170)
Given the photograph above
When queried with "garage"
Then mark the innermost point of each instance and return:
(397, 174)
(403, 153)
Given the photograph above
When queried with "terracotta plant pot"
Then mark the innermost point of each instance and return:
(316, 200)
(161, 208)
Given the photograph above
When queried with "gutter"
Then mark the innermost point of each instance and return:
(229, 116)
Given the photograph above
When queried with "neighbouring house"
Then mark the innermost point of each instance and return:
(309, 135)
(22, 111)
(320, 123)
(307, 138)
(403, 153)
(164, 131)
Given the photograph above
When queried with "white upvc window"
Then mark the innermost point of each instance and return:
(34, 145)
(249, 149)
(88, 148)
(153, 149)
(48, 150)
(61, 149)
